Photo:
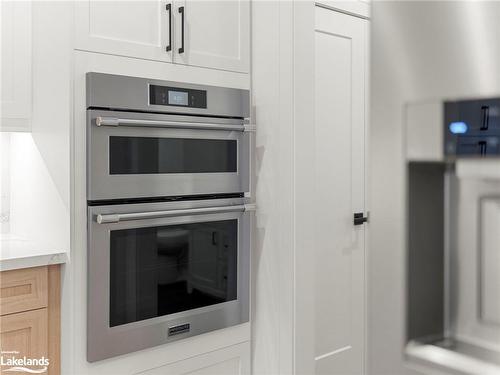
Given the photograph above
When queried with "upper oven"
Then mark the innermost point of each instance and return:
(149, 138)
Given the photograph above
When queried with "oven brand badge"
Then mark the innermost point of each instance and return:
(177, 330)
(11, 363)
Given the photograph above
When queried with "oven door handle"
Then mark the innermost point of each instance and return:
(115, 218)
(113, 121)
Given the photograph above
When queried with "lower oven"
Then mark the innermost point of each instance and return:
(159, 272)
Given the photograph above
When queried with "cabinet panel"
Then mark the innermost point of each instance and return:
(24, 289)
(129, 28)
(24, 334)
(233, 360)
(340, 44)
(474, 261)
(227, 367)
(16, 65)
(360, 8)
(34, 333)
(490, 260)
(216, 34)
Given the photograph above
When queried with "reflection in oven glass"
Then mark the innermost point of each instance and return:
(158, 271)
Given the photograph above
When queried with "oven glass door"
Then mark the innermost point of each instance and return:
(159, 272)
(138, 155)
(166, 269)
(158, 155)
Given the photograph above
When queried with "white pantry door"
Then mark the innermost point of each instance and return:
(340, 59)
(135, 28)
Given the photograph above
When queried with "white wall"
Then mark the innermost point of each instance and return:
(420, 50)
(37, 210)
(35, 176)
(4, 183)
(51, 90)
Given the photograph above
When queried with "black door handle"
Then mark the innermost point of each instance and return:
(169, 10)
(181, 11)
(359, 218)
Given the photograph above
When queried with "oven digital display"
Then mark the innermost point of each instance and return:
(177, 96)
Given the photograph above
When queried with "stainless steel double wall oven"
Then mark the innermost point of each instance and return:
(169, 220)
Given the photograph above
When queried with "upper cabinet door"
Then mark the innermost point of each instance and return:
(129, 28)
(16, 52)
(216, 34)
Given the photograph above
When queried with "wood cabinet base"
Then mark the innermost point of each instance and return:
(30, 318)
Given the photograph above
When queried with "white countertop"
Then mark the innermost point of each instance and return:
(17, 252)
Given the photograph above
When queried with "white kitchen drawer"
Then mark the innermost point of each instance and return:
(232, 360)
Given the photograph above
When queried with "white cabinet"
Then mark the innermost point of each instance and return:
(211, 34)
(360, 8)
(128, 28)
(216, 34)
(16, 65)
(233, 360)
(490, 261)
(340, 131)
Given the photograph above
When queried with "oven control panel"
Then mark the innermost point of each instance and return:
(175, 96)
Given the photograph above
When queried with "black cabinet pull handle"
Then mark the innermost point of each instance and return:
(181, 11)
(485, 117)
(359, 218)
(169, 10)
